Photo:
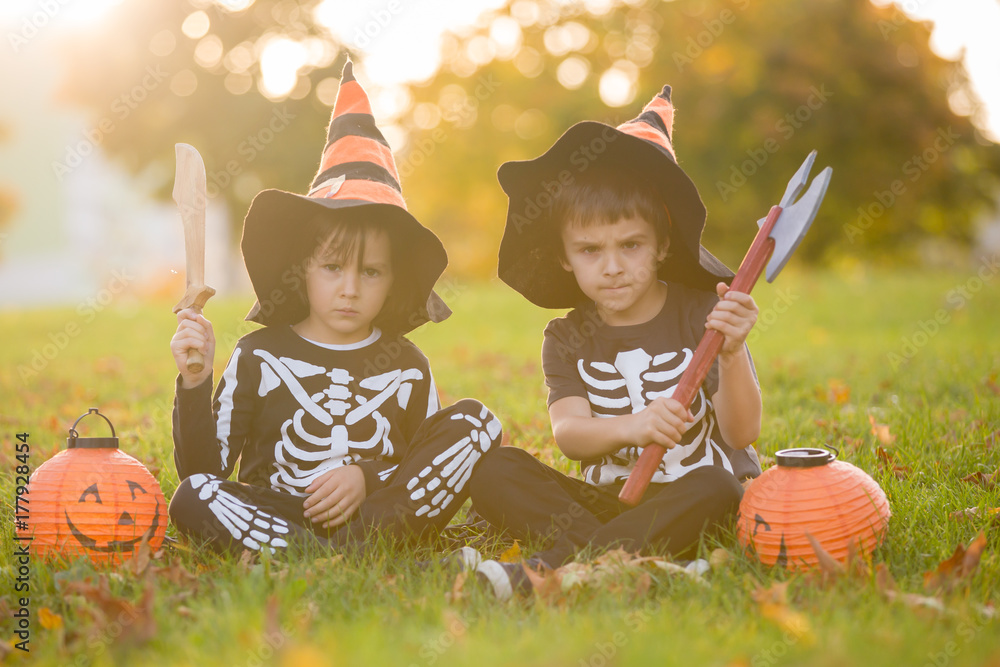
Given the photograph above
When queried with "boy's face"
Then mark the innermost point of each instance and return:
(346, 293)
(615, 266)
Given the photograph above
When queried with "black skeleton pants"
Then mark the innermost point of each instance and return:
(418, 500)
(516, 492)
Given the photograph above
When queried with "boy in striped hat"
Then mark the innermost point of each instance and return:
(608, 224)
(331, 412)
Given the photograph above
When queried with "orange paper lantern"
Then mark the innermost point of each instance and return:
(93, 499)
(810, 492)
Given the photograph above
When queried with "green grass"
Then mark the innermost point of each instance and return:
(824, 355)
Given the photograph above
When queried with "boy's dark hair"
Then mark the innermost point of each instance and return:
(605, 198)
(346, 239)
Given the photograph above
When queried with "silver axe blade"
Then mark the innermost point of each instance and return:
(796, 218)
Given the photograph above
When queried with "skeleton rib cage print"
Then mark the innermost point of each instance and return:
(290, 410)
(621, 369)
(627, 386)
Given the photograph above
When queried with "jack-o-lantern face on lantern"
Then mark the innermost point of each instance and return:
(126, 531)
(94, 500)
(808, 496)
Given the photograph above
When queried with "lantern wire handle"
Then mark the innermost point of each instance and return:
(836, 452)
(91, 411)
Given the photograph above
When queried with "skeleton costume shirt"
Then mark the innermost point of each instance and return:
(291, 410)
(619, 369)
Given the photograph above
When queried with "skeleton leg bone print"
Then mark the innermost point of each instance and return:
(438, 483)
(253, 528)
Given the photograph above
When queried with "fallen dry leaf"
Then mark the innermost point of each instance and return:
(547, 584)
(616, 558)
(854, 567)
(512, 554)
(852, 444)
(575, 575)
(970, 513)
(857, 564)
(642, 586)
(888, 462)
(987, 481)
(886, 585)
(829, 566)
(140, 559)
(457, 593)
(838, 392)
(773, 603)
(830, 426)
(881, 431)
(48, 619)
(245, 563)
(958, 568)
(132, 622)
(177, 575)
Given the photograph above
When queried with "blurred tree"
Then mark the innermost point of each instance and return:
(162, 72)
(757, 86)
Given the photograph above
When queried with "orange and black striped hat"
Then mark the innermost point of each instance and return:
(641, 148)
(357, 180)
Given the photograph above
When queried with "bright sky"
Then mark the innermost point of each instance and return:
(400, 38)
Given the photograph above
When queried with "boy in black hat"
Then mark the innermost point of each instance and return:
(331, 412)
(607, 223)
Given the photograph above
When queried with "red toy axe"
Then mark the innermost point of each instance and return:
(779, 235)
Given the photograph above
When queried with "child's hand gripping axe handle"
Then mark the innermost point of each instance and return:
(189, 193)
(779, 235)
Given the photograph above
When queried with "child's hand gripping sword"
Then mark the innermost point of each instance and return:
(779, 235)
(189, 193)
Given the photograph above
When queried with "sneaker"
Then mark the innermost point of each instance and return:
(506, 579)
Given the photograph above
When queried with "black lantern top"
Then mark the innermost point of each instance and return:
(804, 457)
(74, 441)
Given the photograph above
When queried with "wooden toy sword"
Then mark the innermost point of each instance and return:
(779, 235)
(189, 193)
